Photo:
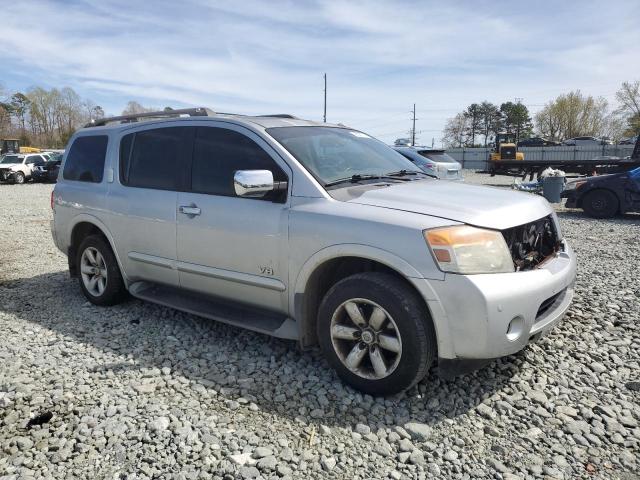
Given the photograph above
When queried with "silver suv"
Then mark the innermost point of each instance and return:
(312, 232)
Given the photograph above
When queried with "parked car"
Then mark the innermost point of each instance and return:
(47, 172)
(538, 142)
(587, 142)
(628, 141)
(605, 196)
(18, 168)
(313, 232)
(432, 161)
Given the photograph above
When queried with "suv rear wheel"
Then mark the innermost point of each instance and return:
(99, 274)
(375, 333)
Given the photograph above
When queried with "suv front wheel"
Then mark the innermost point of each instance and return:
(376, 333)
(18, 178)
(99, 274)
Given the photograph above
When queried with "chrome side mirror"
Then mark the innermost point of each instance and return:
(253, 183)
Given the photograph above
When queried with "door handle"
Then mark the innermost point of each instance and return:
(190, 210)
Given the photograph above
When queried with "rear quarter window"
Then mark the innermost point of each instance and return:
(85, 161)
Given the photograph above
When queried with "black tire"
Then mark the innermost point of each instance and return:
(18, 178)
(114, 291)
(600, 204)
(408, 313)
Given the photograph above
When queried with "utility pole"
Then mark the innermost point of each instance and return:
(324, 116)
(413, 130)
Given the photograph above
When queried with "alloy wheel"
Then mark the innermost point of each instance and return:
(94, 271)
(366, 339)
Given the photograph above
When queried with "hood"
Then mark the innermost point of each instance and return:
(487, 207)
(10, 166)
(602, 178)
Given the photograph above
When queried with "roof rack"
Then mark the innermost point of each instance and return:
(279, 115)
(134, 117)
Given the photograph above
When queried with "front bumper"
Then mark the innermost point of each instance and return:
(572, 198)
(493, 315)
(6, 175)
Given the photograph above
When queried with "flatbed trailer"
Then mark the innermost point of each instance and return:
(583, 167)
(534, 168)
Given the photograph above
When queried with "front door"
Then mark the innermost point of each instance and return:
(231, 247)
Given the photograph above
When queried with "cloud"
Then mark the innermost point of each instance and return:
(381, 57)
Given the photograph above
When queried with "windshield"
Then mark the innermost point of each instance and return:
(11, 159)
(332, 153)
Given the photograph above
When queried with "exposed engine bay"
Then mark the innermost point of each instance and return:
(532, 243)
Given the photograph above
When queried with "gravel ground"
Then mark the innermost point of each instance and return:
(142, 391)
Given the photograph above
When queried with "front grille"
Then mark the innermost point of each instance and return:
(547, 304)
(532, 243)
(508, 153)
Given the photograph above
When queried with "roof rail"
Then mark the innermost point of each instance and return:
(134, 117)
(279, 115)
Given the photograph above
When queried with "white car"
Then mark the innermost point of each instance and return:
(587, 142)
(433, 162)
(18, 168)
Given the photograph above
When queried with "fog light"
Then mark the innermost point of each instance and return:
(516, 326)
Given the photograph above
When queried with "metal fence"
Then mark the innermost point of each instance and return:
(476, 158)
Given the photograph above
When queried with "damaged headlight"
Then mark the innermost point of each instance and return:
(574, 185)
(468, 250)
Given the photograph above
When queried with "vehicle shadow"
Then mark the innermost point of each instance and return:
(273, 373)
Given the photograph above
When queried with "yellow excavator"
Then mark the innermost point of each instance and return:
(12, 145)
(505, 148)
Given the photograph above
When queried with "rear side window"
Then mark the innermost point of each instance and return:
(154, 158)
(85, 161)
(218, 153)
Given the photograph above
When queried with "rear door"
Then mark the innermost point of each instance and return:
(142, 204)
(231, 247)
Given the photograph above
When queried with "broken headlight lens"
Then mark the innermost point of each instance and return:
(469, 250)
(574, 185)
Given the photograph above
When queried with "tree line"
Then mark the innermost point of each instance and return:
(569, 115)
(44, 118)
(47, 118)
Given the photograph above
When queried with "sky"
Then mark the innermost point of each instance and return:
(261, 57)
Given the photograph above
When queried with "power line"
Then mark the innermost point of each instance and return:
(413, 130)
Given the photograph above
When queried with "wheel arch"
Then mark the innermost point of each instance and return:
(332, 264)
(83, 226)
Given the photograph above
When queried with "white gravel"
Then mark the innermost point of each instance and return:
(142, 391)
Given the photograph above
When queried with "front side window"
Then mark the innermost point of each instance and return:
(154, 158)
(332, 153)
(85, 161)
(219, 152)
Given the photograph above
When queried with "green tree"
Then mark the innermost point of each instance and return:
(573, 115)
(490, 120)
(516, 119)
(629, 99)
(20, 105)
(473, 113)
